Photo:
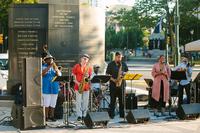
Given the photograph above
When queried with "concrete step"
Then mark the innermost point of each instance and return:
(6, 103)
(7, 97)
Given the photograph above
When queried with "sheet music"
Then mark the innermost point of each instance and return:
(131, 76)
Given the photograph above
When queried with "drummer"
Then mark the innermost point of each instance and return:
(95, 86)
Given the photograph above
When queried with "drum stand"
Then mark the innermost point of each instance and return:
(66, 108)
(99, 79)
(104, 100)
(66, 103)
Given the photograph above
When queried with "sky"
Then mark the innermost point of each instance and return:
(103, 3)
(114, 2)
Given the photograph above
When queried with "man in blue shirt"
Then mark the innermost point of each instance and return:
(49, 89)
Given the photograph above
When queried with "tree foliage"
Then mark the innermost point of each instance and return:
(129, 34)
(4, 5)
(189, 13)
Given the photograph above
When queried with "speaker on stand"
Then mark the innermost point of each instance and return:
(30, 114)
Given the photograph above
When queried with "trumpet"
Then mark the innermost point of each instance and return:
(55, 67)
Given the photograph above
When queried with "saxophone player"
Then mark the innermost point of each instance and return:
(116, 69)
(82, 72)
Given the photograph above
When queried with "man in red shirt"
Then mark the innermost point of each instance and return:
(82, 72)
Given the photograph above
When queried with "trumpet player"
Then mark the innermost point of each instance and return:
(116, 69)
(82, 72)
(184, 84)
(49, 89)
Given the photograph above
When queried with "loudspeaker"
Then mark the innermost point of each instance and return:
(34, 117)
(31, 81)
(96, 118)
(188, 110)
(131, 101)
(138, 116)
(16, 113)
(28, 117)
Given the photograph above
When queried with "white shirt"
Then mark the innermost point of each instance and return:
(189, 72)
(95, 86)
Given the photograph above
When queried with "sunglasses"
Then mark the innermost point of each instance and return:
(85, 58)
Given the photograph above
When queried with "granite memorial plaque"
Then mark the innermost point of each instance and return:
(28, 28)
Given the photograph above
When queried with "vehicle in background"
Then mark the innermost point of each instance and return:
(3, 71)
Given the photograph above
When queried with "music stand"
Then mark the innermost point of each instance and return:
(176, 75)
(65, 79)
(100, 79)
(149, 82)
(131, 77)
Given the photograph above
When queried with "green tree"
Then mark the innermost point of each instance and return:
(189, 11)
(129, 34)
(4, 5)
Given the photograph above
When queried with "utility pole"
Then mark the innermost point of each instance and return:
(177, 23)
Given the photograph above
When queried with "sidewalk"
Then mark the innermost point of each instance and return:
(155, 125)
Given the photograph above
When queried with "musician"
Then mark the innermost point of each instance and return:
(116, 69)
(160, 89)
(82, 72)
(184, 84)
(49, 89)
(95, 86)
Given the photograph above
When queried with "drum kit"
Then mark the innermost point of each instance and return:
(99, 98)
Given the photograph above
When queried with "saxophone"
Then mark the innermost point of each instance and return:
(119, 77)
(83, 81)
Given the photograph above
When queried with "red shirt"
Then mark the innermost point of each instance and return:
(76, 70)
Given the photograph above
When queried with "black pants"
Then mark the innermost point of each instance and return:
(180, 93)
(160, 104)
(114, 93)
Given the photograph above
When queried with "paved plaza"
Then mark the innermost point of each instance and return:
(155, 125)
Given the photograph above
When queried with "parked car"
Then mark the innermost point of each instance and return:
(3, 71)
